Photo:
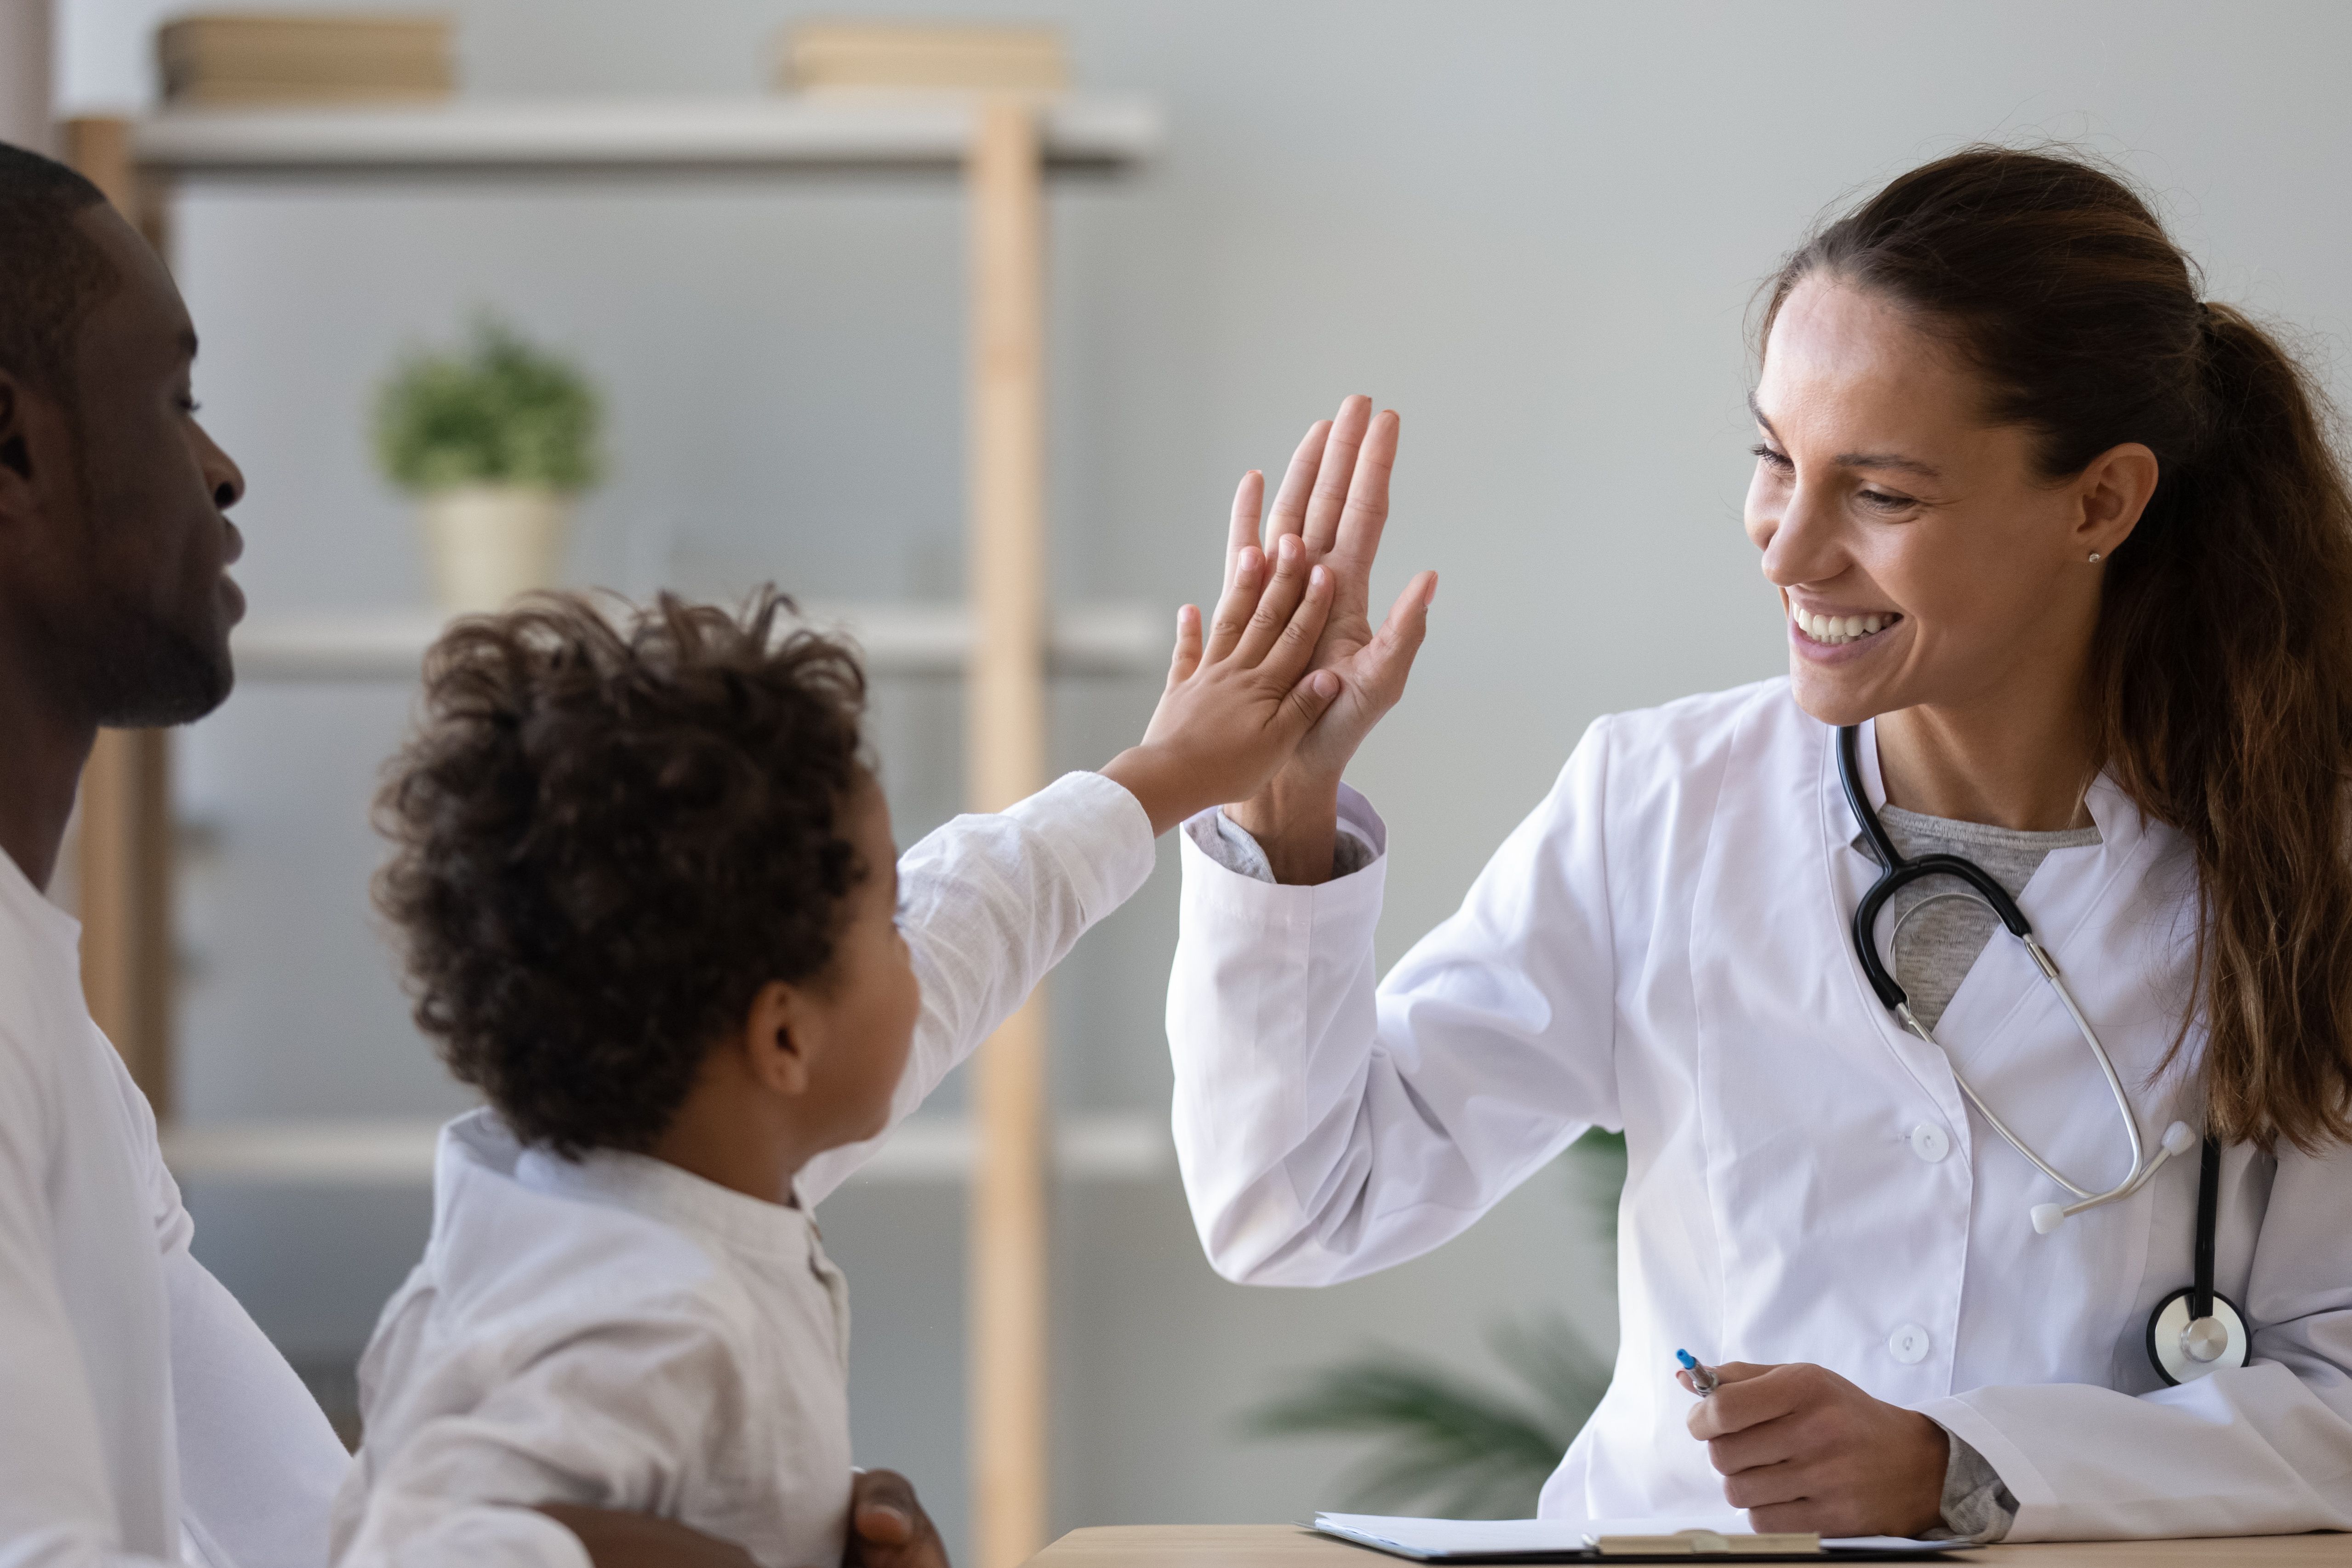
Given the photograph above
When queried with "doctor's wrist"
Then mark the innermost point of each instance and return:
(1296, 823)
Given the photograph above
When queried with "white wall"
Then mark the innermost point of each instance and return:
(25, 63)
(1536, 228)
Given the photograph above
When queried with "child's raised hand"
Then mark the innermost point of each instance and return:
(1239, 699)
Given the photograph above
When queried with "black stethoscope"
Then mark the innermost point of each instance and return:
(2192, 1332)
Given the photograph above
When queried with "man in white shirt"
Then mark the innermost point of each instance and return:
(142, 1415)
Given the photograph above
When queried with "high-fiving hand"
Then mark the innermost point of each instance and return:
(1239, 695)
(1334, 500)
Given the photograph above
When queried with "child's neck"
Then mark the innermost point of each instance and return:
(727, 1134)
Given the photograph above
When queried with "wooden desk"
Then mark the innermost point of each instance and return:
(1287, 1546)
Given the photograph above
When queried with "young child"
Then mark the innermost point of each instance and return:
(651, 908)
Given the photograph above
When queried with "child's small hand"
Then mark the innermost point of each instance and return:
(1236, 707)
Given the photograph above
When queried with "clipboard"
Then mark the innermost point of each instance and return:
(1439, 1542)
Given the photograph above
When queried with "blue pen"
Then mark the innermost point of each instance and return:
(1702, 1378)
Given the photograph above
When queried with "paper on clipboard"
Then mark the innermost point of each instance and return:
(1564, 1540)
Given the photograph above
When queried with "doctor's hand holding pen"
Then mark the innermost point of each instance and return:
(1800, 1449)
(1334, 500)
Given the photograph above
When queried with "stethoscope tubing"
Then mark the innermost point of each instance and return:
(1896, 873)
(2195, 1352)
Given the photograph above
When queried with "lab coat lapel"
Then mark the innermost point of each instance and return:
(1849, 873)
(1839, 1243)
(2105, 913)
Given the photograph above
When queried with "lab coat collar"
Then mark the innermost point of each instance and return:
(480, 1142)
(2113, 812)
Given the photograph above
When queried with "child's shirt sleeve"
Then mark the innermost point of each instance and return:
(989, 904)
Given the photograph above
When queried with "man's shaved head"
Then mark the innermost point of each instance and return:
(51, 273)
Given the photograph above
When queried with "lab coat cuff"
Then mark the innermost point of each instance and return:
(1097, 833)
(2017, 1473)
(1214, 886)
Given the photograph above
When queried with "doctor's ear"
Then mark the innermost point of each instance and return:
(2115, 488)
(776, 1037)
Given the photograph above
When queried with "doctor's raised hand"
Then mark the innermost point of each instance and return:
(1334, 501)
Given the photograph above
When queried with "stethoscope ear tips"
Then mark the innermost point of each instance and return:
(2178, 1139)
(2048, 1217)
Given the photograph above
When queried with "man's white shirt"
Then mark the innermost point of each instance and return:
(142, 1412)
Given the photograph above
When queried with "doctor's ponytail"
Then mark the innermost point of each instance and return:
(2222, 666)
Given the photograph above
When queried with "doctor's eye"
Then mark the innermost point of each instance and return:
(1884, 500)
(1770, 458)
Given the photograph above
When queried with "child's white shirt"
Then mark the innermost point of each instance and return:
(616, 1332)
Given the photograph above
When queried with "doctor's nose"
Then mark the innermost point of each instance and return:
(1800, 544)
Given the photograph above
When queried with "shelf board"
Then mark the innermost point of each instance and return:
(897, 639)
(1116, 1146)
(535, 136)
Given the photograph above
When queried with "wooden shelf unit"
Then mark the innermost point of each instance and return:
(344, 1150)
(906, 638)
(1002, 641)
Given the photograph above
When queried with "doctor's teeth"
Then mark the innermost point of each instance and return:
(1835, 629)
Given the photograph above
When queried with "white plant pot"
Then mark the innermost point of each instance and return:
(485, 543)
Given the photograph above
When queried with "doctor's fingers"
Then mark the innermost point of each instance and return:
(1774, 1486)
(1336, 477)
(1356, 539)
(1289, 513)
(1748, 1396)
(1387, 659)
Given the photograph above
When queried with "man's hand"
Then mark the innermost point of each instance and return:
(887, 1528)
(617, 1539)
(1235, 706)
(1802, 1449)
(1334, 501)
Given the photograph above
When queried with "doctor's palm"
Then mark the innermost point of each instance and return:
(1335, 496)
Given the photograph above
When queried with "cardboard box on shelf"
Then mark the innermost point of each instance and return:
(290, 57)
(903, 57)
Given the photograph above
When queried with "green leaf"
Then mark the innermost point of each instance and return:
(1449, 1445)
(501, 412)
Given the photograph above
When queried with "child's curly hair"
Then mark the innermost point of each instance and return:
(607, 838)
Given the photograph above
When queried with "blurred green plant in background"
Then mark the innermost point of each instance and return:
(501, 413)
(1448, 1445)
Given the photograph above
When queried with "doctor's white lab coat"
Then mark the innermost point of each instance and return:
(1662, 946)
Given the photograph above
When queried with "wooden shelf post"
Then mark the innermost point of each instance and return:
(125, 849)
(1007, 1380)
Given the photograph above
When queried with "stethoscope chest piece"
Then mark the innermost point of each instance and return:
(2184, 1348)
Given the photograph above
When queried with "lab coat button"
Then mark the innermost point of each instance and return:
(1908, 1343)
(1929, 1142)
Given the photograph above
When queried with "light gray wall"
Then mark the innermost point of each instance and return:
(1536, 228)
(26, 54)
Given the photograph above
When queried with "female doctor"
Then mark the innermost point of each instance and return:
(2068, 548)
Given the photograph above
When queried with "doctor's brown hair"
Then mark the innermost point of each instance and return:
(2223, 664)
(607, 838)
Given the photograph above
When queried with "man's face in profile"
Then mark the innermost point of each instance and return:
(130, 575)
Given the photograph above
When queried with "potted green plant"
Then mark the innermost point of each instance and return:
(496, 441)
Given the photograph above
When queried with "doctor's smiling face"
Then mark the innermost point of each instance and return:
(1923, 559)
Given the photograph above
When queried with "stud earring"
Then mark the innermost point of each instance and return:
(2095, 558)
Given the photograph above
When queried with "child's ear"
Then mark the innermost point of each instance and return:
(776, 1037)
